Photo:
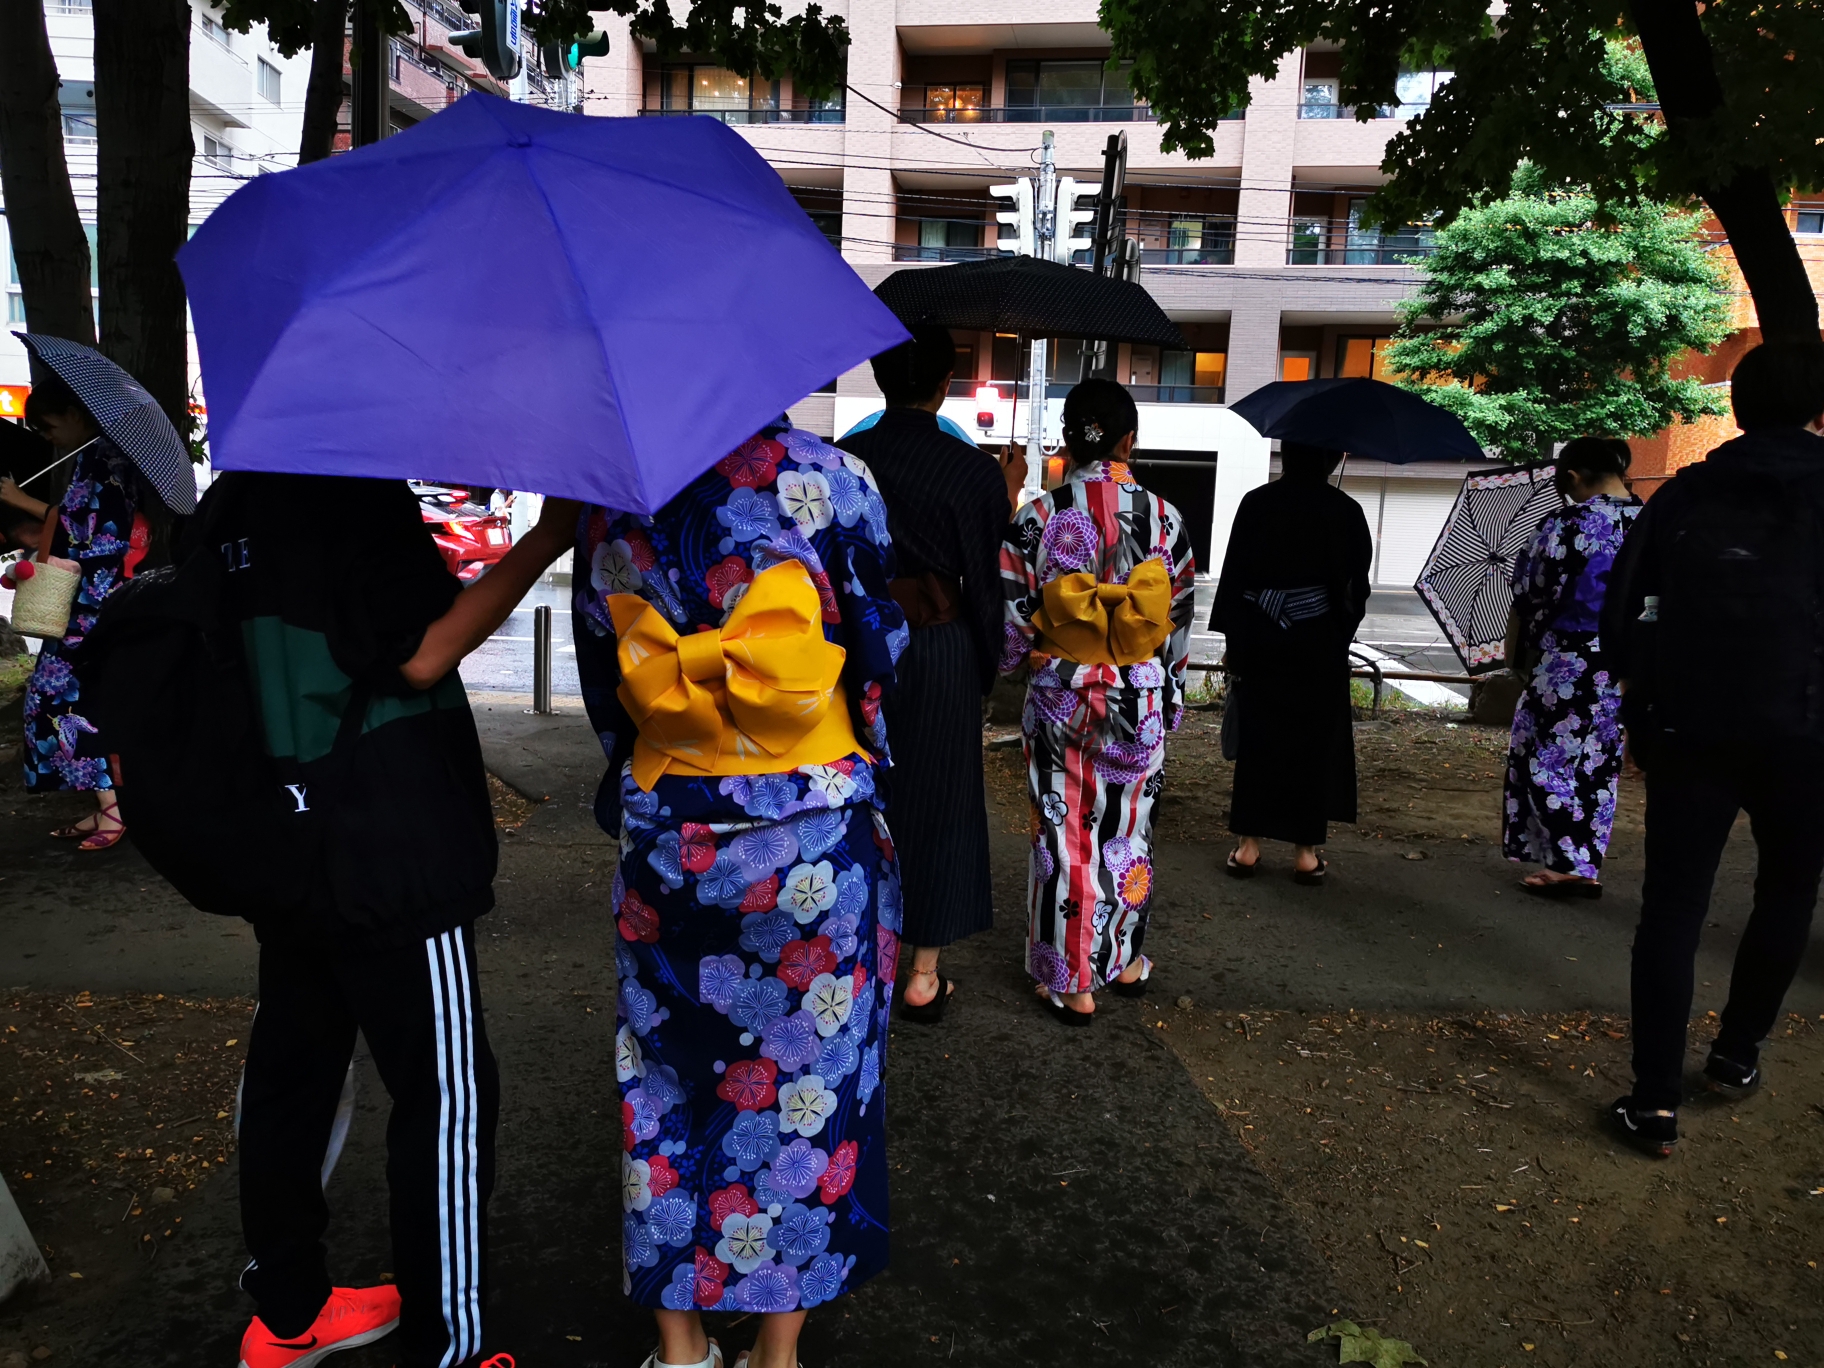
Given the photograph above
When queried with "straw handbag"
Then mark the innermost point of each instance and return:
(41, 604)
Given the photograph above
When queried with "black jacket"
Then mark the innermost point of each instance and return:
(334, 581)
(1715, 611)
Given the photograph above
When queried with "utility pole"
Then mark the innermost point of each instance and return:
(370, 118)
(1045, 219)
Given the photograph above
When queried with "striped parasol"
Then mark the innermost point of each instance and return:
(1468, 580)
(131, 417)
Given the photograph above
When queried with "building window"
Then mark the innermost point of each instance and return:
(1319, 101)
(1068, 91)
(832, 108)
(946, 240)
(1359, 357)
(1199, 242)
(212, 27)
(1364, 246)
(829, 223)
(1307, 247)
(1181, 372)
(267, 79)
(718, 92)
(1297, 365)
(955, 103)
(1810, 221)
(79, 127)
(217, 153)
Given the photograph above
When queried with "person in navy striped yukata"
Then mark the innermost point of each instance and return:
(356, 619)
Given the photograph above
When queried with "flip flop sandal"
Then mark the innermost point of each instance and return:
(1133, 988)
(105, 837)
(1235, 869)
(75, 831)
(1069, 1016)
(1561, 889)
(924, 1013)
(1312, 878)
(741, 1361)
(713, 1359)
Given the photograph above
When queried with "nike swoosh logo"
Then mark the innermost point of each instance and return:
(310, 1343)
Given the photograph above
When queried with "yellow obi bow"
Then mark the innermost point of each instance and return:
(760, 695)
(1107, 624)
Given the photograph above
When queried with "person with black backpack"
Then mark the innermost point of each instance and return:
(292, 744)
(1717, 625)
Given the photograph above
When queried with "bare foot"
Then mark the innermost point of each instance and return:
(1084, 1003)
(1545, 878)
(922, 986)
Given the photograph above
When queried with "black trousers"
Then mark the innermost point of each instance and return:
(1693, 797)
(420, 1008)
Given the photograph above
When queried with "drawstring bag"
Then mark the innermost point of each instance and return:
(43, 598)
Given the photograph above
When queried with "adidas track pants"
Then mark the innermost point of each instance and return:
(419, 1007)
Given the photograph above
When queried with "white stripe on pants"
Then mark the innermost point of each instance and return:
(458, 1213)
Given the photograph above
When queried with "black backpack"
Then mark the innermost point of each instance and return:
(1738, 635)
(165, 680)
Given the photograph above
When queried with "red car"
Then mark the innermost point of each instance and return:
(469, 536)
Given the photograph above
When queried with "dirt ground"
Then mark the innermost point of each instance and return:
(1454, 1174)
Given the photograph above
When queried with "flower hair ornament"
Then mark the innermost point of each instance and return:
(1092, 433)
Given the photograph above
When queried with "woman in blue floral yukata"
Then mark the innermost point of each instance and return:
(1564, 762)
(109, 519)
(1099, 578)
(734, 650)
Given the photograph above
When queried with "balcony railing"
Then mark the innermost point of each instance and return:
(1322, 109)
(1221, 255)
(912, 251)
(752, 116)
(1386, 255)
(1176, 394)
(1125, 113)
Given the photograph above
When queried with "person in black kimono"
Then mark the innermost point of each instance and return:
(1293, 590)
(947, 508)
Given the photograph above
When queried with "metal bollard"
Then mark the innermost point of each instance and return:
(541, 658)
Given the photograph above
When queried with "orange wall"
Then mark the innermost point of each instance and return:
(1659, 457)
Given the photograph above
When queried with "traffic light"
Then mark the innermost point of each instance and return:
(592, 44)
(496, 43)
(1103, 256)
(1020, 218)
(1076, 231)
(562, 58)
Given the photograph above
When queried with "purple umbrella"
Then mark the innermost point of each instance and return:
(516, 297)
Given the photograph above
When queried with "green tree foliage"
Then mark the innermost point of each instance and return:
(1741, 83)
(1555, 314)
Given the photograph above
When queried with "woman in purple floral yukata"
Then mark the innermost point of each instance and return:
(1564, 761)
(108, 521)
(734, 649)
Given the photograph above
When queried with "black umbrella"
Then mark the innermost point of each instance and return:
(1468, 580)
(1366, 418)
(1021, 294)
(126, 412)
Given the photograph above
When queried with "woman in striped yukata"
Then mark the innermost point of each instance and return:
(1099, 577)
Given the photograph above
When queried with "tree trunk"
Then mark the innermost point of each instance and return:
(142, 108)
(49, 244)
(323, 97)
(1748, 206)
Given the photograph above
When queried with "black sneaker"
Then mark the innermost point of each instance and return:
(1653, 1133)
(1734, 1081)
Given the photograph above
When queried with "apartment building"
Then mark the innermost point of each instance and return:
(1258, 253)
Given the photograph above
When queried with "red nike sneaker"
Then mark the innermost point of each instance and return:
(352, 1316)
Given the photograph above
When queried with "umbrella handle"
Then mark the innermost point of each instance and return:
(43, 556)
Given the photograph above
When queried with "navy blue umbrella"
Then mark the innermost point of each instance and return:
(1366, 418)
